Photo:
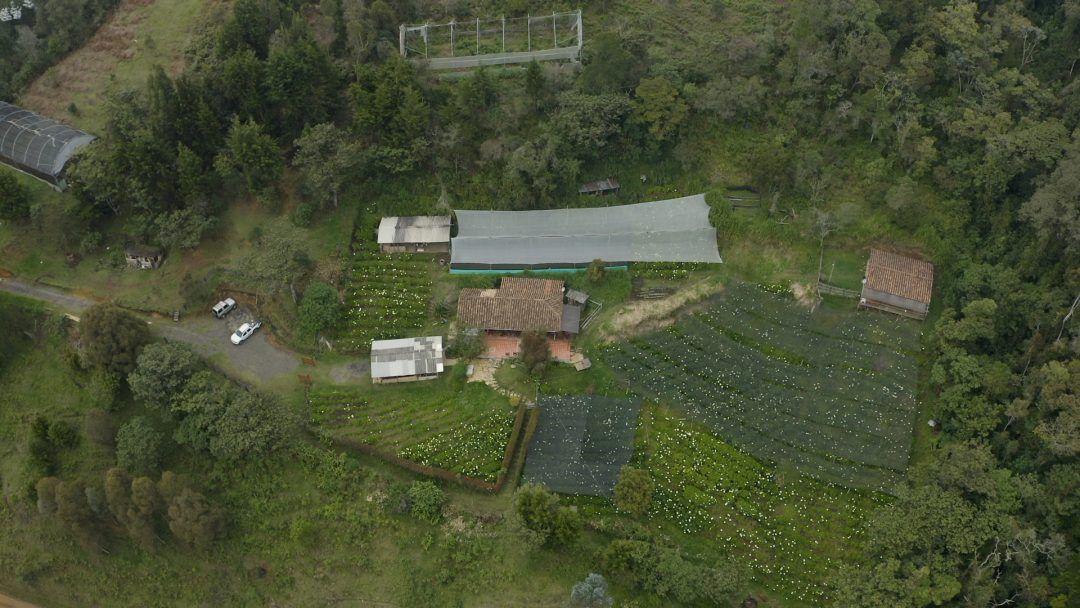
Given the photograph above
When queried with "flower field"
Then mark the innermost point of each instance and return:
(581, 443)
(387, 297)
(793, 531)
(464, 430)
(830, 394)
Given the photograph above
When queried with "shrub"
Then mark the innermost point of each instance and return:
(427, 500)
(319, 310)
(595, 273)
(566, 526)
(634, 490)
(14, 198)
(161, 371)
(591, 593)
(138, 446)
(535, 351)
(536, 506)
(62, 435)
(100, 428)
(194, 520)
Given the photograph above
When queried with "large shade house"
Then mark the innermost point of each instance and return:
(675, 230)
(36, 145)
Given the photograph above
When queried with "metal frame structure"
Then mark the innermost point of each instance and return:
(495, 29)
(36, 145)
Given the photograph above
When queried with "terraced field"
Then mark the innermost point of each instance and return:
(829, 394)
(387, 297)
(440, 423)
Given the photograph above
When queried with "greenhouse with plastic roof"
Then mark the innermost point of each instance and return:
(38, 146)
(675, 230)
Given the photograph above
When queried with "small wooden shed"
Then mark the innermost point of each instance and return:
(600, 187)
(898, 284)
(143, 257)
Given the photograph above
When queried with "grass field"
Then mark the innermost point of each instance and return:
(443, 423)
(137, 36)
(830, 394)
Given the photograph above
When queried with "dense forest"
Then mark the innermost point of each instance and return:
(969, 112)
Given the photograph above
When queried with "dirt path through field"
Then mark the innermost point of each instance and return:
(10, 602)
(137, 35)
(639, 316)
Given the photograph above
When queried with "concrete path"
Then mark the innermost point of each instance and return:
(256, 359)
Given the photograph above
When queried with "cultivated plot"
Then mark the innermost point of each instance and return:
(581, 443)
(387, 298)
(464, 430)
(830, 394)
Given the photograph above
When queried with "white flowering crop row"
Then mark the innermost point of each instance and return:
(387, 297)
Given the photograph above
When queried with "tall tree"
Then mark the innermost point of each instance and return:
(252, 156)
(112, 338)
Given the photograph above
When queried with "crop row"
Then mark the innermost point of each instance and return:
(793, 530)
(805, 402)
(387, 297)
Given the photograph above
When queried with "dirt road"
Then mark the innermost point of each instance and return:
(256, 359)
(10, 602)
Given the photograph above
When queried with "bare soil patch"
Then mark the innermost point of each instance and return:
(641, 316)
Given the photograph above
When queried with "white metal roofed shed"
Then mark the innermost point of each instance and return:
(675, 230)
(406, 359)
(415, 233)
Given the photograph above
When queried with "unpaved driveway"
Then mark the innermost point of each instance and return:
(256, 359)
(10, 602)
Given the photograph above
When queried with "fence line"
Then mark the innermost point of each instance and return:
(837, 291)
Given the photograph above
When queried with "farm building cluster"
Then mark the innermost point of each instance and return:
(511, 242)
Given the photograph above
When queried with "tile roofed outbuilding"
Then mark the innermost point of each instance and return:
(900, 275)
(519, 304)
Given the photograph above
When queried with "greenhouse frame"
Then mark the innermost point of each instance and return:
(36, 145)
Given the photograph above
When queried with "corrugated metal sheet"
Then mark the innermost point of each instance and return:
(675, 230)
(406, 357)
(900, 275)
(414, 229)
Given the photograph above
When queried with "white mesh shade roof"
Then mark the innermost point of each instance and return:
(406, 357)
(37, 145)
(675, 230)
(414, 229)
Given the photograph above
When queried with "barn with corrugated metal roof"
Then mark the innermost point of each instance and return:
(417, 234)
(406, 359)
(36, 145)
